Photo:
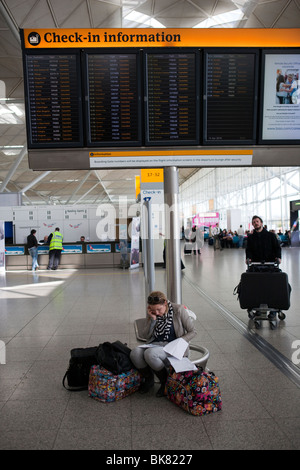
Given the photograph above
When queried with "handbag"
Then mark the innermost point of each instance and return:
(106, 387)
(78, 372)
(115, 357)
(197, 392)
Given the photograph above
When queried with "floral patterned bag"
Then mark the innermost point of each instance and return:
(106, 387)
(197, 392)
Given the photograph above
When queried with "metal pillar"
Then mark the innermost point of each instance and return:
(148, 249)
(173, 252)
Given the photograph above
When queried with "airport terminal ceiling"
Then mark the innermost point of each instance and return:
(98, 185)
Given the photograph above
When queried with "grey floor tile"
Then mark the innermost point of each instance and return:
(84, 308)
(35, 415)
(85, 412)
(239, 434)
(266, 379)
(105, 437)
(28, 440)
(180, 437)
(240, 404)
(281, 403)
(291, 428)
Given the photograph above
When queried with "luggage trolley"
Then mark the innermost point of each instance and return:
(264, 291)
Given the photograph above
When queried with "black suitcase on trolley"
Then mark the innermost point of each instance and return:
(268, 288)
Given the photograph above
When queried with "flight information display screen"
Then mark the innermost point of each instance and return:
(54, 109)
(113, 102)
(230, 92)
(280, 103)
(171, 98)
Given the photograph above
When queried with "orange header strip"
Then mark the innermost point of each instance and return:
(154, 37)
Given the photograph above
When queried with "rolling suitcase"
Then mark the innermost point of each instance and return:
(271, 289)
(187, 249)
(264, 289)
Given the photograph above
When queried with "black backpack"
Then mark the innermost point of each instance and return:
(114, 357)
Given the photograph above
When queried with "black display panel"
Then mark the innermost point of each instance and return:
(230, 98)
(53, 100)
(171, 102)
(113, 99)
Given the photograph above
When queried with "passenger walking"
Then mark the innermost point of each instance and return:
(32, 245)
(196, 240)
(164, 254)
(215, 231)
(262, 245)
(165, 322)
(240, 233)
(55, 247)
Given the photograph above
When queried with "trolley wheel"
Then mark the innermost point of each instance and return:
(257, 324)
(273, 325)
(251, 314)
(281, 315)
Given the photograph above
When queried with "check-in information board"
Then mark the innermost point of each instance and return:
(98, 98)
(113, 99)
(230, 98)
(171, 98)
(54, 111)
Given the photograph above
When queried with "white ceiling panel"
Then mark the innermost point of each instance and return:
(64, 11)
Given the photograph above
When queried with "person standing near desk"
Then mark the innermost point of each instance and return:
(33, 249)
(55, 247)
(215, 232)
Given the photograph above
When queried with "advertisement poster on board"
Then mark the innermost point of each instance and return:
(135, 242)
(281, 101)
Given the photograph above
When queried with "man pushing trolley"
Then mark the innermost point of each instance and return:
(264, 289)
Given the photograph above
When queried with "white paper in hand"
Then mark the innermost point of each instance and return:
(182, 365)
(176, 348)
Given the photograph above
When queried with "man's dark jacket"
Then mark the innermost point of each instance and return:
(262, 246)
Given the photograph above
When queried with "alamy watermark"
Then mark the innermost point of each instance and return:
(161, 216)
(2, 352)
(296, 354)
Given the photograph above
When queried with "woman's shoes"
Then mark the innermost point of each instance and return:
(162, 375)
(147, 384)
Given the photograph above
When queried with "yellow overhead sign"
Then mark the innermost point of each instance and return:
(160, 37)
(137, 185)
(152, 175)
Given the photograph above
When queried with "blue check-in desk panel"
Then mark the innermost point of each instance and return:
(76, 255)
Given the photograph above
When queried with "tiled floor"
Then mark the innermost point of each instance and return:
(46, 314)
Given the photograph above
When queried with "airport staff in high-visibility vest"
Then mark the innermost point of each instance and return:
(55, 241)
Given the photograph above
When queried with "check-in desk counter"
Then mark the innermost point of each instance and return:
(76, 255)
